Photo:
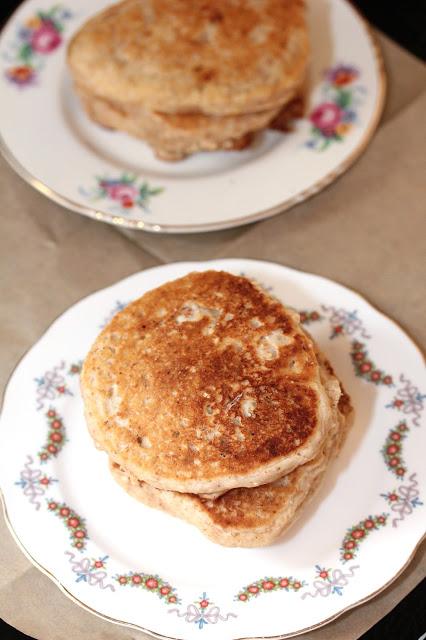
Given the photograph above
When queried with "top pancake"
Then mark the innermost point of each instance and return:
(221, 57)
(205, 384)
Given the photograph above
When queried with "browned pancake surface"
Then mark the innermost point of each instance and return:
(217, 57)
(205, 384)
(255, 516)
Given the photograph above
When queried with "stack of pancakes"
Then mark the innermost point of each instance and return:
(191, 75)
(214, 405)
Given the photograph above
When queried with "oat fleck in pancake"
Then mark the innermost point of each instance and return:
(205, 384)
(250, 517)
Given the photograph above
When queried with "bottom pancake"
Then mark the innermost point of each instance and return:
(248, 517)
(175, 136)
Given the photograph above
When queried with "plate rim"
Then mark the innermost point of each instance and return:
(302, 196)
(131, 625)
(155, 634)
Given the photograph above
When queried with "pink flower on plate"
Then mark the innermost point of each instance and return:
(46, 38)
(121, 191)
(326, 117)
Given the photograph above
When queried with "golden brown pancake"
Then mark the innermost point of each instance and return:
(174, 136)
(250, 517)
(190, 75)
(206, 384)
(221, 57)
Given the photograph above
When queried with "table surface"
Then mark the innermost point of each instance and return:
(364, 231)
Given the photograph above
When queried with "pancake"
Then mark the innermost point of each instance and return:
(205, 384)
(174, 136)
(249, 517)
(222, 57)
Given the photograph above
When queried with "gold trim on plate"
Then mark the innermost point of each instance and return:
(303, 195)
(130, 625)
(149, 631)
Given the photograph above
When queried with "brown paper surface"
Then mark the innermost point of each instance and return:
(366, 231)
(406, 80)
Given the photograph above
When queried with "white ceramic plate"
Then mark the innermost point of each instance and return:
(140, 567)
(115, 178)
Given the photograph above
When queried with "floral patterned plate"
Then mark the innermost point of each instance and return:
(115, 178)
(140, 567)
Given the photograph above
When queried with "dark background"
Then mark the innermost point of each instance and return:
(405, 22)
(402, 20)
